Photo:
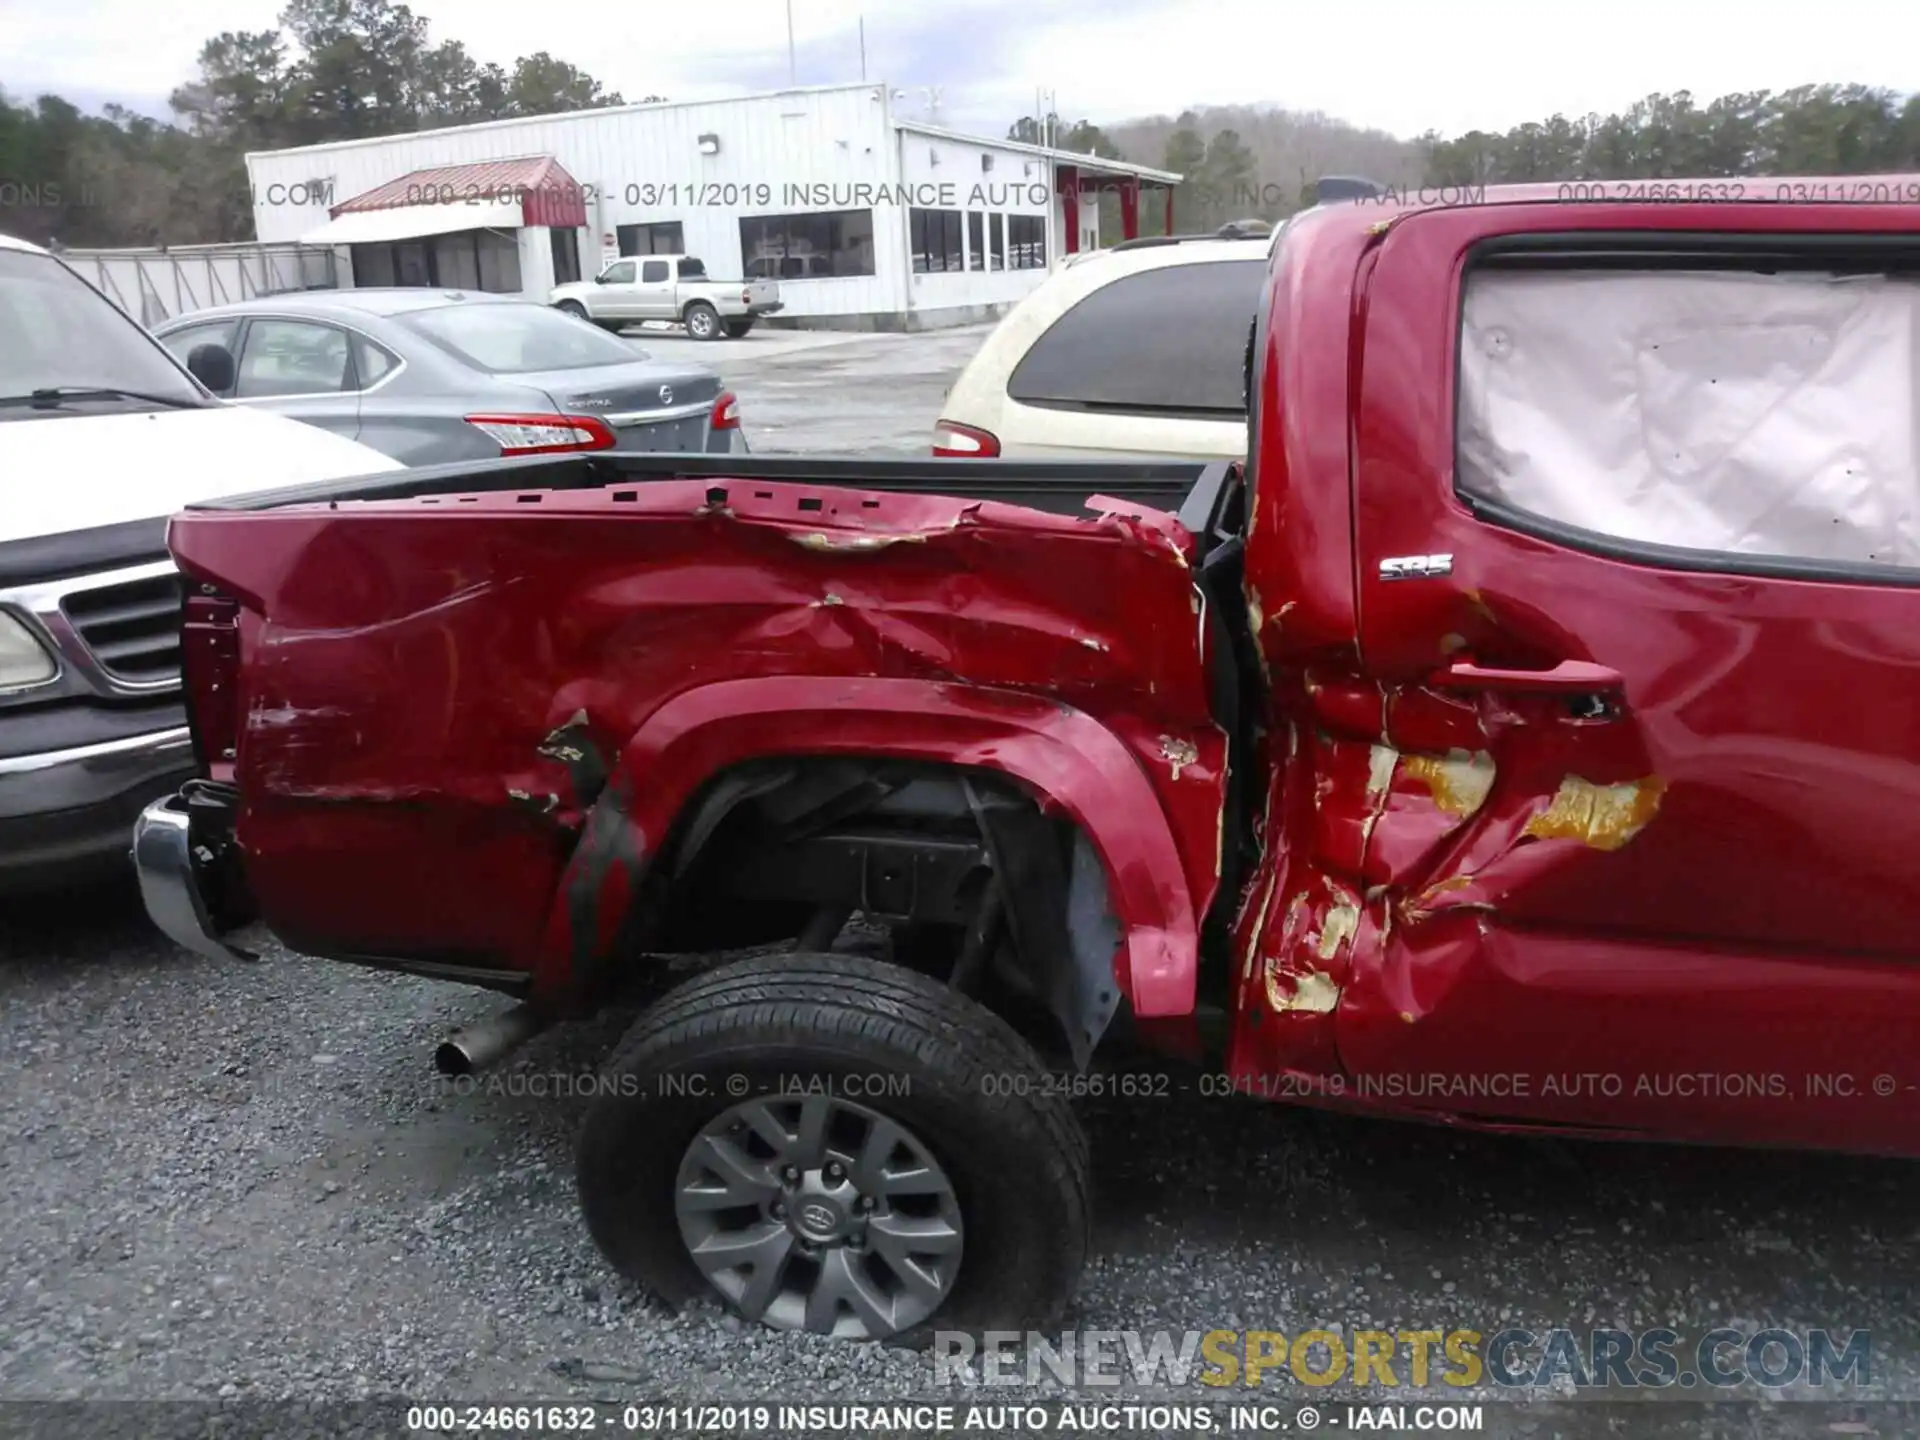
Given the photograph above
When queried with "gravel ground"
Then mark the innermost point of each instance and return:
(242, 1181)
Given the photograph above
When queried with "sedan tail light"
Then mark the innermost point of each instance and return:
(964, 442)
(544, 434)
(726, 412)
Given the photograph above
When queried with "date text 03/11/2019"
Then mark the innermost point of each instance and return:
(931, 1419)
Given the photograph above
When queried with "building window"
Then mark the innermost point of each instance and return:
(373, 265)
(1026, 242)
(499, 263)
(566, 256)
(976, 240)
(486, 260)
(998, 225)
(935, 241)
(412, 264)
(662, 238)
(807, 247)
(456, 262)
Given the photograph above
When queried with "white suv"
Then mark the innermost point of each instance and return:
(1137, 350)
(103, 435)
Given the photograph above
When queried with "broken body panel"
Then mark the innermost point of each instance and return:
(1538, 834)
(1559, 835)
(481, 720)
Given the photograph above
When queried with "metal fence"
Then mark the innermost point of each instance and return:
(159, 284)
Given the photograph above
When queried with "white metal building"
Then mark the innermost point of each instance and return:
(867, 220)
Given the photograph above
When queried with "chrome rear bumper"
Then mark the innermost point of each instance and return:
(163, 856)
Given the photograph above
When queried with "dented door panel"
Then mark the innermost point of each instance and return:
(1682, 905)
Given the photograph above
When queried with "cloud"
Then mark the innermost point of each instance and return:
(1400, 65)
(112, 50)
(980, 55)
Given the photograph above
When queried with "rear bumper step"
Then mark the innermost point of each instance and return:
(170, 880)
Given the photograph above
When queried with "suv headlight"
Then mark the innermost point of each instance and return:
(24, 660)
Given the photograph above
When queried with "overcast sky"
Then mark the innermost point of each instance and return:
(1398, 66)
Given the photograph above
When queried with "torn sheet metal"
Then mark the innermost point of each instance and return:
(1406, 813)
(1458, 780)
(1305, 963)
(1603, 816)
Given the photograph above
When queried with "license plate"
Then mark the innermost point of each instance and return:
(689, 434)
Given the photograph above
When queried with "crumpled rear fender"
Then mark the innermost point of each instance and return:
(1072, 762)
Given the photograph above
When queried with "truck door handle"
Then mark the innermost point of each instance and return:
(1575, 677)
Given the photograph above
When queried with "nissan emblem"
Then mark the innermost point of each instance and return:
(666, 394)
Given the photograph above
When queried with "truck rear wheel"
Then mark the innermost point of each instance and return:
(703, 321)
(833, 1144)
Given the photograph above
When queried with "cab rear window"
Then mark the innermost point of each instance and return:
(1170, 341)
(1763, 413)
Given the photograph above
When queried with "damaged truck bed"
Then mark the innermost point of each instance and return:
(559, 667)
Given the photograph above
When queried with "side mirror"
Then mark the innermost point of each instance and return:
(601, 278)
(212, 365)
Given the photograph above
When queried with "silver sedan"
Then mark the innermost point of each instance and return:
(428, 376)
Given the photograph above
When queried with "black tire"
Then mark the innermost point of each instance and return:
(703, 321)
(737, 328)
(1018, 1161)
(573, 308)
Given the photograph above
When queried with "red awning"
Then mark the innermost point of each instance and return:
(545, 192)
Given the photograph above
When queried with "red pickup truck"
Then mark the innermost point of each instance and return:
(1526, 739)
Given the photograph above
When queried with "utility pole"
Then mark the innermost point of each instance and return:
(793, 70)
(863, 49)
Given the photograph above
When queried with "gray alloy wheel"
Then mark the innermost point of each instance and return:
(703, 321)
(817, 1213)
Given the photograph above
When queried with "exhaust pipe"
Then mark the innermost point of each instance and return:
(478, 1046)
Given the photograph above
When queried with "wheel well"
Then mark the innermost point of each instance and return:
(959, 873)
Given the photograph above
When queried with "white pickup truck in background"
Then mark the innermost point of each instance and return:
(673, 288)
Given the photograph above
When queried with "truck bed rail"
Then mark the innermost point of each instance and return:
(1059, 487)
